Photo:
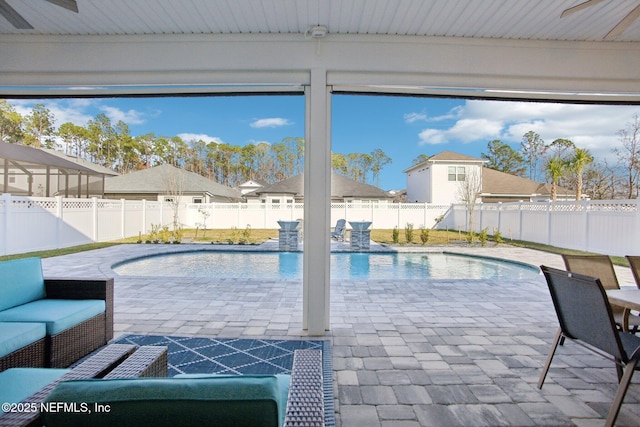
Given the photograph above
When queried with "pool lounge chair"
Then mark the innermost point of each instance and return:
(601, 267)
(593, 329)
(338, 230)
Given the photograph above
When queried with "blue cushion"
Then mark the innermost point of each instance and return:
(14, 335)
(57, 314)
(284, 381)
(17, 384)
(21, 281)
(221, 401)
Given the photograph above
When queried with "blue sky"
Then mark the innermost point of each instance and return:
(403, 127)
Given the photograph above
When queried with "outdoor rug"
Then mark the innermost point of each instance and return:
(238, 356)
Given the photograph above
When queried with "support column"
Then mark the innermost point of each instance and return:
(317, 208)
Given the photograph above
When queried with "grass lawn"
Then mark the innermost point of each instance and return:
(255, 236)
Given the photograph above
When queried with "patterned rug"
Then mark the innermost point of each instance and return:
(238, 356)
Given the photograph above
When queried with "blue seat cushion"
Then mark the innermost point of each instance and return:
(17, 384)
(239, 401)
(57, 314)
(21, 281)
(15, 335)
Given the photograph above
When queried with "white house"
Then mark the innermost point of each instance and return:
(439, 180)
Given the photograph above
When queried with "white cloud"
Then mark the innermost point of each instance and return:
(188, 137)
(272, 122)
(414, 117)
(594, 127)
(130, 117)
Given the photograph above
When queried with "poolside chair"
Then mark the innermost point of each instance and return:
(600, 266)
(634, 264)
(594, 329)
(338, 231)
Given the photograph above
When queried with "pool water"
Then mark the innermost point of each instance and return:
(344, 265)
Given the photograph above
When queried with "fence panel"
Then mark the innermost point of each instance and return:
(38, 223)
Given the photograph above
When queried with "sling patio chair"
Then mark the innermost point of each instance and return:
(600, 266)
(634, 264)
(594, 329)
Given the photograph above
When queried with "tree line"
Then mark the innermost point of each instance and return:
(111, 145)
(563, 164)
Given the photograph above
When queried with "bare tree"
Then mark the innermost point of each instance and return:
(468, 192)
(174, 185)
(629, 155)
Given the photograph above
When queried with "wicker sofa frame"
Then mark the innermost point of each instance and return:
(33, 355)
(113, 361)
(70, 345)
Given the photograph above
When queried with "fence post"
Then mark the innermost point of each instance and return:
(6, 210)
(144, 216)
(587, 240)
(549, 222)
(95, 218)
(499, 218)
(59, 220)
(520, 220)
(122, 219)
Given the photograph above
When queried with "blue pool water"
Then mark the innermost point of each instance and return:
(288, 265)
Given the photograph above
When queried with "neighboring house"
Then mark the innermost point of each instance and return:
(29, 171)
(343, 189)
(165, 182)
(439, 179)
(251, 185)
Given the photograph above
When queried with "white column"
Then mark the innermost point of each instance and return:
(317, 210)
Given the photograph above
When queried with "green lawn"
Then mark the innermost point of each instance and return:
(255, 236)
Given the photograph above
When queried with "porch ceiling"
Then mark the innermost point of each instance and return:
(494, 19)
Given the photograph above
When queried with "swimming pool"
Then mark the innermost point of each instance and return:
(344, 265)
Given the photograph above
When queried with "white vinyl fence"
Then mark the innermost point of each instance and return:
(603, 226)
(39, 223)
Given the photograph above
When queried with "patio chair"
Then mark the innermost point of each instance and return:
(338, 230)
(594, 329)
(600, 266)
(634, 264)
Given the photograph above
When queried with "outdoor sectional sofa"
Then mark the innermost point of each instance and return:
(50, 322)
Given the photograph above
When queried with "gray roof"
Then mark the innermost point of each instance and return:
(154, 181)
(496, 183)
(341, 187)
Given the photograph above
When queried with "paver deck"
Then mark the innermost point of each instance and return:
(406, 352)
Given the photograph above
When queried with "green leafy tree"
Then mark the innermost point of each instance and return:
(421, 158)
(39, 129)
(380, 160)
(577, 164)
(75, 138)
(10, 123)
(555, 169)
(503, 158)
(532, 148)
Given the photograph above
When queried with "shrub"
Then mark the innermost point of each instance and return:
(408, 232)
(483, 236)
(424, 235)
(497, 236)
(395, 235)
(470, 237)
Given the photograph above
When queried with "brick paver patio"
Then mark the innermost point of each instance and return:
(405, 352)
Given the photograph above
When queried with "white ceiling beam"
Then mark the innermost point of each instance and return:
(581, 70)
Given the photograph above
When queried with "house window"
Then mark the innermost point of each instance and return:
(12, 180)
(197, 200)
(275, 201)
(456, 173)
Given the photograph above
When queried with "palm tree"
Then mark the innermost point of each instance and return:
(554, 169)
(581, 158)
